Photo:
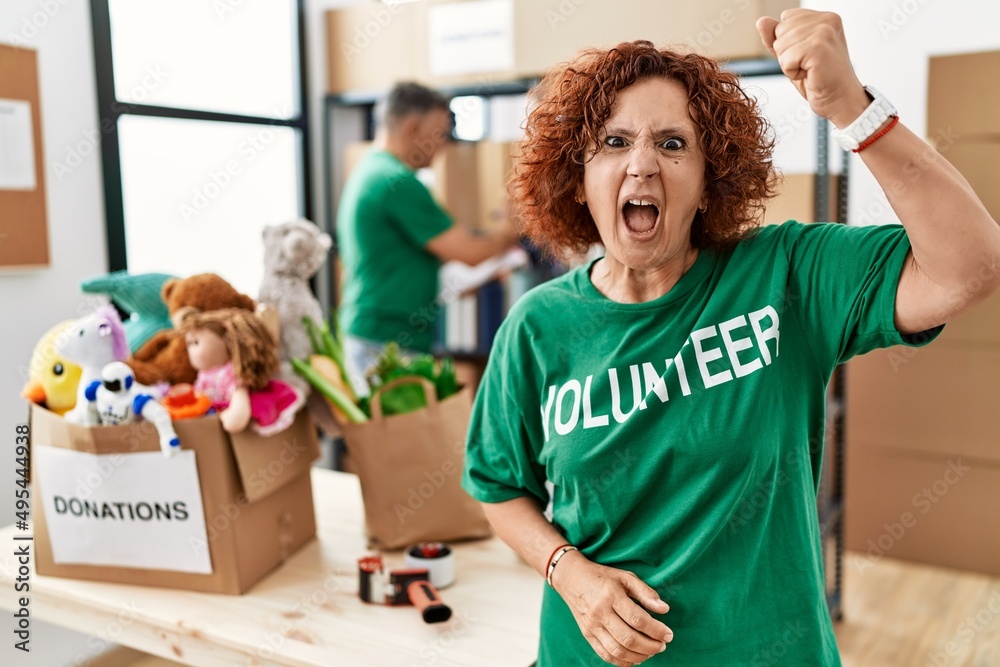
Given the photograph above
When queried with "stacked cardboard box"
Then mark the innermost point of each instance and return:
(962, 119)
(371, 45)
(495, 160)
(796, 200)
(923, 464)
(466, 178)
(455, 181)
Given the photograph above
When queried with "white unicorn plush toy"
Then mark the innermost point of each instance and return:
(93, 342)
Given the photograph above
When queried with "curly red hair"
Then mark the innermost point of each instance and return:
(576, 99)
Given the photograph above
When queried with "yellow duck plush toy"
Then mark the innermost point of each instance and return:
(52, 380)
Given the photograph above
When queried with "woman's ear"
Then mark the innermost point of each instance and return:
(580, 197)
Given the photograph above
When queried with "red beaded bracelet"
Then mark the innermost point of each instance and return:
(878, 135)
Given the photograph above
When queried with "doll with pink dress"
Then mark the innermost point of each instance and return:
(236, 357)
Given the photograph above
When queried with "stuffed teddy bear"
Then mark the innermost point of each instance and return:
(293, 253)
(164, 357)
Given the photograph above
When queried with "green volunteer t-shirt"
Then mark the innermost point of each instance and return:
(390, 281)
(681, 439)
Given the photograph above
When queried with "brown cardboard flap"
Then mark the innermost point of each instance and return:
(266, 464)
(50, 429)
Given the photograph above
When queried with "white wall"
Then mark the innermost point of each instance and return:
(890, 43)
(34, 300)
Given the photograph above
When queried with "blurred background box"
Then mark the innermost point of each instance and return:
(459, 177)
(453, 179)
(953, 511)
(794, 201)
(551, 32)
(911, 413)
(495, 159)
(372, 45)
(939, 400)
(979, 161)
(962, 95)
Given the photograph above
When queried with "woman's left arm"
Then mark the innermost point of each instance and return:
(955, 244)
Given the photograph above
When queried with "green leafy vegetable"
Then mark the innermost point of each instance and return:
(447, 380)
(314, 337)
(409, 397)
(325, 342)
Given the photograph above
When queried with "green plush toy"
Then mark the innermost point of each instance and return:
(139, 296)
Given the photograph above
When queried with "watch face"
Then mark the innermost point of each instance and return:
(846, 141)
(864, 126)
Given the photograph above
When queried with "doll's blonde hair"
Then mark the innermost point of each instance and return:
(252, 348)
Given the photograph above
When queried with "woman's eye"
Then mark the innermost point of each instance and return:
(614, 142)
(673, 144)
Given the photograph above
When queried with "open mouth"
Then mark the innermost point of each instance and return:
(640, 216)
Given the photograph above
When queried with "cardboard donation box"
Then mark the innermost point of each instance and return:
(217, 516)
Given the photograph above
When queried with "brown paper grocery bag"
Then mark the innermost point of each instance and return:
(410, 467)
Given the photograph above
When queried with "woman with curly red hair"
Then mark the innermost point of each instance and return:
(649, 430)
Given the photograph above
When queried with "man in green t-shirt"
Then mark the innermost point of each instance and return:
(392, 236)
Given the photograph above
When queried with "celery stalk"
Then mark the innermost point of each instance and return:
(326, 388)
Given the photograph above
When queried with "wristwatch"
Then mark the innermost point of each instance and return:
(868, 123)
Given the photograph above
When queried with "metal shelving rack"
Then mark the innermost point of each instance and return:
(831, 495)
(356, 109)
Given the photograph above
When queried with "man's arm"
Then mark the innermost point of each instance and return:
(955, 244)
(461, 244)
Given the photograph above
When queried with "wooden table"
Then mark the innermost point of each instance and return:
(307, 612)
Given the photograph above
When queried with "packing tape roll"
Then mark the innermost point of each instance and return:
(437, 557)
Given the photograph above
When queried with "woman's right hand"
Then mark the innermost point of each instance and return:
(603, 602)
